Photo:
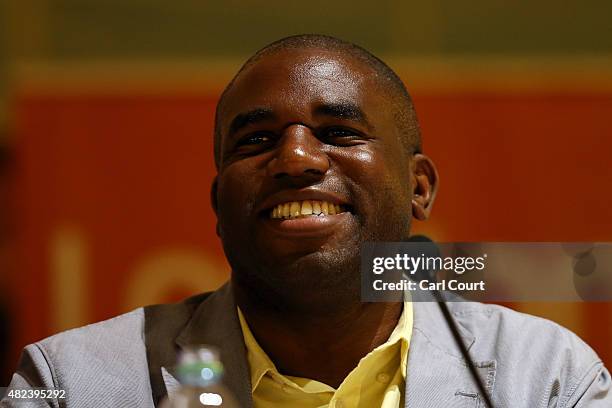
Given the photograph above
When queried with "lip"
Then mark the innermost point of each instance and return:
(307, 227)
(287, 196)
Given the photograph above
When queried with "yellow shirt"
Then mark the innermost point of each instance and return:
(377, 381)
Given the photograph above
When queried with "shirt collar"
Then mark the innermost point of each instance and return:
(259, 361)
(260, 364)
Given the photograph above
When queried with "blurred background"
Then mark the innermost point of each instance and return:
(106, 111)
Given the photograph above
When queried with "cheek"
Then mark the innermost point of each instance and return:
(364, 158)
(379, 183)
(236, 193)
(374, 172)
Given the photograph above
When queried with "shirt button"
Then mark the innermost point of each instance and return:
(286, 388)
(339, 404)
(383, 378)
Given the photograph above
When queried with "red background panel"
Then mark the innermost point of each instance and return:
(528, 167)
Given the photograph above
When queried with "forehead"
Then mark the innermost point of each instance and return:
(291, 81)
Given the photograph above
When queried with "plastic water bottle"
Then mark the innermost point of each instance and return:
(199, 370)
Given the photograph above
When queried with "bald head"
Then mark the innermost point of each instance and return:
(403, 109)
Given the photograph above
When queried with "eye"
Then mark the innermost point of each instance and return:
(340, 136)
(254, 139)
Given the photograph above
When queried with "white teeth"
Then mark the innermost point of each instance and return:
(332, 209)
(295, 209)
(325, 208)
(306, 208)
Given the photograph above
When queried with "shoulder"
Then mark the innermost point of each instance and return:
(123, 332)
(90, 362)
(105, 353)
(112, 355)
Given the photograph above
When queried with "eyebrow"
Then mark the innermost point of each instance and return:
(249, 118)
(343, 110)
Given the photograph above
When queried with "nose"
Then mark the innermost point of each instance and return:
(299, 156)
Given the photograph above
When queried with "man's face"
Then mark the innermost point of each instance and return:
(303, 132)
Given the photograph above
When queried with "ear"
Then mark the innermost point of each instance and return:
(214, 202)
(425, 186)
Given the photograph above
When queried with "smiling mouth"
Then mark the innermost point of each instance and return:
(306, 208)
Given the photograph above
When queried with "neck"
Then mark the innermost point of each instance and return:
(322, 346)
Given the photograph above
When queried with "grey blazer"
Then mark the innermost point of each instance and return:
(123, 362)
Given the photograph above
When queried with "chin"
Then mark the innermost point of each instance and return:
(324, 276)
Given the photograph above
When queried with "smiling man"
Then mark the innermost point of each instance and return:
(318, 151)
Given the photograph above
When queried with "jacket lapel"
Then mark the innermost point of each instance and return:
(437, 374)
(170, 381)
(215, 322)
(162, 324)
